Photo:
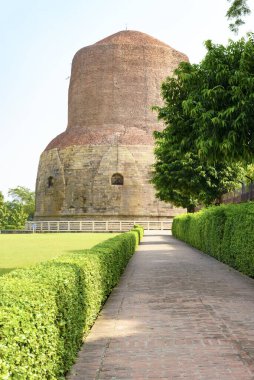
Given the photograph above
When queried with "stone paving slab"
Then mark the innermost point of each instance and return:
(176, 314)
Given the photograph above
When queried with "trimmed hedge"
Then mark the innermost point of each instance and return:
(140, 230)
(45, 310)
(225, 232)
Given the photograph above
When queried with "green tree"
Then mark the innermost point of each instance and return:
(3, 212)
(184, 180)
(249, 173)
(236, 12)
(13, 214)
(1, 199)
(208, 112)
(210, 106)
(26, 197)
(16, 216)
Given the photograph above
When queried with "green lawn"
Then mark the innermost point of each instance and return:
(18, 251)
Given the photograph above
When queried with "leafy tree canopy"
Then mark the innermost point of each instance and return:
(184, 180)
(236, 12)
(209, 108)
(249, 174)
(13, 214)
(208, 112)
(26, 197)
(1, 198)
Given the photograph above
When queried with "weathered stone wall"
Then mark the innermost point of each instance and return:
(82, 184)
(113, 85)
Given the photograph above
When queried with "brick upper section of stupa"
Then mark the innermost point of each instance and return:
(114, 84)
(131, 37)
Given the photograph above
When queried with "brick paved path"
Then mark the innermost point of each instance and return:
(176, 314)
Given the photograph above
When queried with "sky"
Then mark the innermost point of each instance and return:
(38, 39)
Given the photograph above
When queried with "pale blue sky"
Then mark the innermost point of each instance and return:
(38, 39)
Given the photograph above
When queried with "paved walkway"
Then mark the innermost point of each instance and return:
(176, 314)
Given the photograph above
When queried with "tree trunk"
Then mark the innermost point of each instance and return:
(191, 209)
(218, 201)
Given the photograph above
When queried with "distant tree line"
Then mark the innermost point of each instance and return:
(15, 212)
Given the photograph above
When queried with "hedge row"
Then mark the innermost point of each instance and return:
(140, 230)
(45, 310)
(225, 232)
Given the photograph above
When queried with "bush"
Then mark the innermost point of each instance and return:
(140, 230)
(13, 227)
(225, 232)
(46, 309)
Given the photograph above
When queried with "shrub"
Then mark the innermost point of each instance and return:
(46, 309)
(13, 227)
(225, 232)
(140, 230)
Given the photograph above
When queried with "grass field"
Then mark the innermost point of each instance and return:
(18, 251)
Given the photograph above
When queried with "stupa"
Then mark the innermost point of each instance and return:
(100, 167)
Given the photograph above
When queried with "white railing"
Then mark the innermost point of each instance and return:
(92, 225)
